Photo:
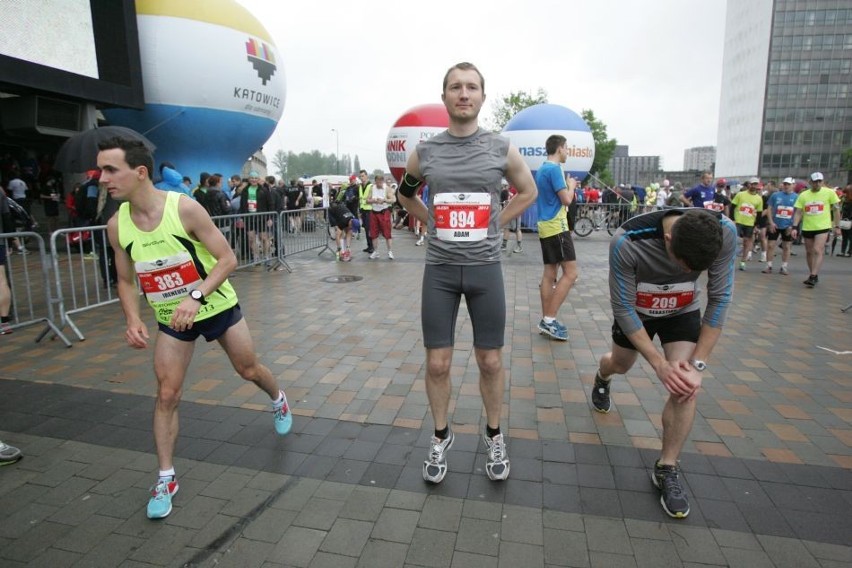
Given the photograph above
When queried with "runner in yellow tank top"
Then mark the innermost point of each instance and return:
(182, 262)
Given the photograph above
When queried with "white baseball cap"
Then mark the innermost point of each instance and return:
(789, 180)
(816, 176)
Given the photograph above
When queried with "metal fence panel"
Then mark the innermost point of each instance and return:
(28, 277)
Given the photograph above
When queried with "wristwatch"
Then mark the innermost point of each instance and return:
(698, 364)
(198, 296)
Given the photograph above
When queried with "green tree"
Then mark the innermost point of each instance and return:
(306, 164)
(604, 147)
(279, 163)
(509, 105)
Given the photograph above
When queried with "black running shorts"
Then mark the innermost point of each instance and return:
(744, 231)
(785, 234)
(558, 248)
(682, 327)
(211, 328)
(482, 288)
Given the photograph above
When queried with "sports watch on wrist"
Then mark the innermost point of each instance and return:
(698, 364)
(198, 296)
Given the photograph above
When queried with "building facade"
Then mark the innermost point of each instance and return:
(786, 105)
(699, 158)
(633, 170)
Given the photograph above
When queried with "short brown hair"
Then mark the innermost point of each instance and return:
(464, 66)
(697, 239)
(553, 143)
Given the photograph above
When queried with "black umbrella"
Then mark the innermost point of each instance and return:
(80, 152)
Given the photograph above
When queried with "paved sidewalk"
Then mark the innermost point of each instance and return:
(768, 466)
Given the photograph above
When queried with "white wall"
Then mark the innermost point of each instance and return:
(744, 73)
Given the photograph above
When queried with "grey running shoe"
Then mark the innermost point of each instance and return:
(9, 454)
(666, 478)
(497, 464)
(554, 329)
(600, 394)
(435, 467)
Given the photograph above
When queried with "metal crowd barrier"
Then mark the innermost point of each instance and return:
(83, 261)
(32, 293)
(84, 272)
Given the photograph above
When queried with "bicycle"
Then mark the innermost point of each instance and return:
(594, 218)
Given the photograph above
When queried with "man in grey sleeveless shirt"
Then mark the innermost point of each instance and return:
(464, 167)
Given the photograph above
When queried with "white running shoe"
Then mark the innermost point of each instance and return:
(390, 254)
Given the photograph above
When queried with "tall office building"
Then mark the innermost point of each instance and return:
(786, 105)
(638, 170)
(700, 158)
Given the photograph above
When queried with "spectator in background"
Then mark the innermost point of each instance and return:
(51, 197)
(296, 202)
(702, 194)
(171, 180)
(20, 191)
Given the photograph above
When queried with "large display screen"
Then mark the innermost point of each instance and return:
(30, 33)
(85, 49)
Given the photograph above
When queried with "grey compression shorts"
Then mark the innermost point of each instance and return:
(482, 287)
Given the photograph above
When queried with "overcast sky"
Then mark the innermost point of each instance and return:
(650, 70)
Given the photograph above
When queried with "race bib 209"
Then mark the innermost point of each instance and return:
(663, 299)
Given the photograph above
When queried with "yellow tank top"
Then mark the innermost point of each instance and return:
(170, 264)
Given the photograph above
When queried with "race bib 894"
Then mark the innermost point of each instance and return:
(462, 216)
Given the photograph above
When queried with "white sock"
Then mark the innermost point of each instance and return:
(769, 264)
(548, 319)
(280, 401)
(165, 474)
(783, 265)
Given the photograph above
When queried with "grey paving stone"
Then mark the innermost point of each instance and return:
(607, 535)
(831, 552)
(270, 525)
(214, 528)
(441, 513)
(88, 535)
(347, 537)
(328, 560)
(609, 560)
(482, 510)
(382, 554)
(431, 548)
(524, 493)
(225, 486)
(334, 490)
(80, 509)
(766, 520)
(245, 553)
(593, 475)
(722, 515)
(298, 546)
(513, 554)
(24, 518)
(54, 558)
(565, 548)
(32, 542)
(696, 544)
(365, 504)
(787, 552)
(655, 553)
(405, 500)
(750, 558)
(647, 529)
(736, 539)
(478, 536)
(396, 525)
(522, 524)
(243, 501)
(601, 502)
(195, 513)
(111, 551)
(319, 514)
(469, 560)
(298, 494)
(562, 521)
(564, 498)
(165, 548)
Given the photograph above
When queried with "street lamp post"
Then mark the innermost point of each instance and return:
(337, 153)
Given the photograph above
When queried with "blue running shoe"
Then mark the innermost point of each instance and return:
(160, 504)
(554, 329)
(282, 417)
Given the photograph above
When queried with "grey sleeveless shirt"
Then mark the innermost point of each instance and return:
(474, 164)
